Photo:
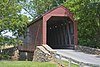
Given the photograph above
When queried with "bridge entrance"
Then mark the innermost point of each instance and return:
(60, 32)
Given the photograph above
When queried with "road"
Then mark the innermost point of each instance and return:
(79, 56)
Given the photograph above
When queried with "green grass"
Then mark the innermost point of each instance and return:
(74, 65)
(26, 64)
(66, 64)
(33, 64)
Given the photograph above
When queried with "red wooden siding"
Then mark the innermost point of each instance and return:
(38, 29)
(35, 34)
(60, 11)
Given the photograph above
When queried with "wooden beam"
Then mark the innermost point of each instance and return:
(69, 36)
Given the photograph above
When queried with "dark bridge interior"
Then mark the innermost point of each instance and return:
(60, 33)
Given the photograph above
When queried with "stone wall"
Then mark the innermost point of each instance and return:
(88, 50)
(15, 55)
(9, 54)
(43, 54)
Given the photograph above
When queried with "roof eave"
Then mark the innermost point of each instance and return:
(34, 21)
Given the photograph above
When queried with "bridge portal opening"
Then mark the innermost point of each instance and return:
(60, 32)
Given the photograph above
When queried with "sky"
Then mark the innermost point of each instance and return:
(8, 34)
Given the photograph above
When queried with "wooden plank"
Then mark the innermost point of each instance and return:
(48, 48)
(43, 49)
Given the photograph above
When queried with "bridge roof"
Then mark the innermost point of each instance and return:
(60, 9)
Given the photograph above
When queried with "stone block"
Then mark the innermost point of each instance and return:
(41, 54)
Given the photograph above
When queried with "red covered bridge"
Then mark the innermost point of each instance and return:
(56, 28)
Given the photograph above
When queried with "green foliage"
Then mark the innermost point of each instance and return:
(11, 19)
(37, 7)
(7, 40)
(4, 57)
(87, 13)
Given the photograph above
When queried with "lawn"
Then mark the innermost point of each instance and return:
(66, 63)
(72, 65)
(33, 64)
(26, 64)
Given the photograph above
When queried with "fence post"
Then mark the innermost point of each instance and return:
(81, 64)
(26, 56)
(69, 65)
(1, 51)
(54, 56)
(60, 57)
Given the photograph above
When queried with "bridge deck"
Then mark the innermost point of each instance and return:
(80, 56)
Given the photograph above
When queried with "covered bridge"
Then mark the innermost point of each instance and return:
(56, 28)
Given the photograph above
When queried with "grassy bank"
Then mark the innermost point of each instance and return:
(26, 64)
(33, 64)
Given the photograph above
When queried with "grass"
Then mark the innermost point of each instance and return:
(26, 64)
(33, 64)
(72, 65)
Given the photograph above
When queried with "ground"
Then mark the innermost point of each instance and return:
(32, 64)
(26, 64)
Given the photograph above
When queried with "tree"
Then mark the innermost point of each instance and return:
(36, 8)
(11, 19)
(87, 15)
